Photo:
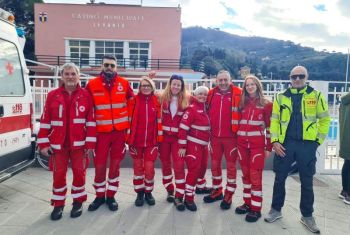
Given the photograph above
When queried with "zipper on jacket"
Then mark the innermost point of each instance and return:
(146, 120)
(304, 109)
(76, 109)
(222, 97)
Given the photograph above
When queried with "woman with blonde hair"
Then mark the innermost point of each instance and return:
(253, 143)
(145, 135)
(174, 101)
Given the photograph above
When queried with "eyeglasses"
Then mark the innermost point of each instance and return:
(146, 86)
(106, 65)
(295, 76)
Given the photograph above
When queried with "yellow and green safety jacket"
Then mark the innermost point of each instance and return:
(314, 109)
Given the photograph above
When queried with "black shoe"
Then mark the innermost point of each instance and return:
(252, 216)
(170, 197)
(56, 214)
(225, 205)
(77, 209)
(215, 195)
(180, 206)
(112, 204)
(227, 201)
(96, 203)
(191, 206)
(140, 199)
(205, 190)
(243, 209)
(150, 199)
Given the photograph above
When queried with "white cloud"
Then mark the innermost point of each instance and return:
(280, 19)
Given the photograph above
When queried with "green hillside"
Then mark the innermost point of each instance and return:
(210, 50)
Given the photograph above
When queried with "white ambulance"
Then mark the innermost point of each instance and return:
(16, 122)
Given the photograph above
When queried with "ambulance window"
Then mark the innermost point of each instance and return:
(11, 77)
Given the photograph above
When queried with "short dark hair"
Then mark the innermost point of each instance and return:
(109, 57)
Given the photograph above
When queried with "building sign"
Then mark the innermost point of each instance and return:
(43, 17)
(98, 20)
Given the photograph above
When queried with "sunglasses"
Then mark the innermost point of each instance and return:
(295, 76)
(106, 65)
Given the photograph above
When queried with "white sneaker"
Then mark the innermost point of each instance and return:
(272, 216)
(310, 223)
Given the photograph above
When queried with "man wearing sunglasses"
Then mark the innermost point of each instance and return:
(299, 124)
(111, 94)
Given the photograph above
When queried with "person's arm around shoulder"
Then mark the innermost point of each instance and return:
(267, 117)
(184, 127)
(275, 128)
(90, 128)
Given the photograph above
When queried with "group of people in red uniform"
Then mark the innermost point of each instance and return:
(184, 130)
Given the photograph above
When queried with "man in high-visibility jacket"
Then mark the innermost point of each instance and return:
(110, 94)
(299, 124)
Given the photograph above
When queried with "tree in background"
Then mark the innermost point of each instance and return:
(23, 11)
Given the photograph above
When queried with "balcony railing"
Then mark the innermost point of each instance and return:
(126, 63)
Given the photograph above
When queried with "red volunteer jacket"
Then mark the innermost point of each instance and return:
(235, 99)
(171, 124)
(146, 127)
(254, 122)
(220, 114)
(53, 123)
(194, 125)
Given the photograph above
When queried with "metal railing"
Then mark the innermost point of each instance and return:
(328, 162)
(126, 63)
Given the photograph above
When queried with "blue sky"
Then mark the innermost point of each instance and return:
(321, 24)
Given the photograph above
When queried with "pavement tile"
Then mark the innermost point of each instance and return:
(25, 209)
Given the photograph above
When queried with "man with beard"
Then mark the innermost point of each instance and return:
(111, 94)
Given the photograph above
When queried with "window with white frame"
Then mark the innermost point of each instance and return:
(115, 48)
(79, 51)
(139, 52)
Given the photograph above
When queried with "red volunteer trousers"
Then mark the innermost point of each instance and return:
(110, 144)
(143, 163)
(224, 146)
(201, 181)
(59, 165)
(196, 154)
(168, 150)
(252, 162)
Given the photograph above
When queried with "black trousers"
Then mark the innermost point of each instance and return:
(345, 176)
(304, 153)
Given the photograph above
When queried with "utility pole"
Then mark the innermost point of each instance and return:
(347, 71)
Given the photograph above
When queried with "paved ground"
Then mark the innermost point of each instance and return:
(24, 209)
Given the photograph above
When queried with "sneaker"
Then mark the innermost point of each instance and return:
(191, 206)
(150, 199)
(77, 209)
(170, 197)
(112, 204)
(347, 199)
(56, 214)
(140, 199)
(215, 195)
(205, 190)
(243, 209)
(226, 202)
(273, 215)
(180, 206)
(96, 203)
(252, 216)
(342, 194)
(310, 223)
